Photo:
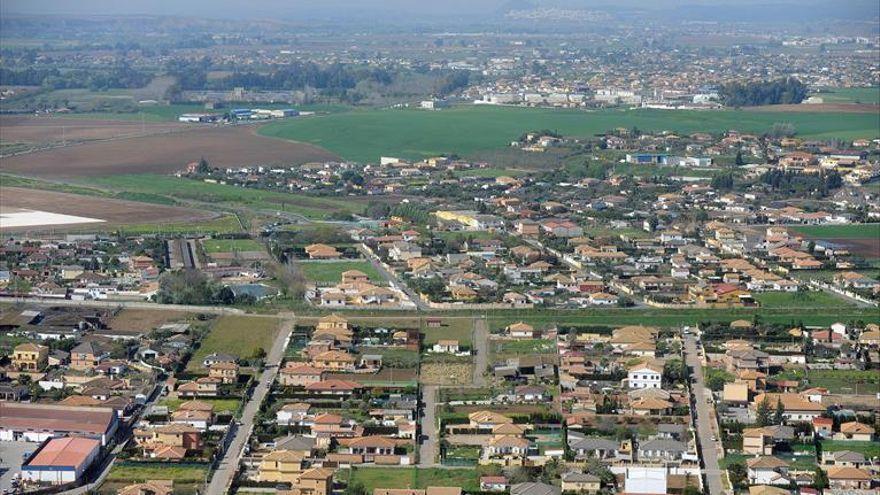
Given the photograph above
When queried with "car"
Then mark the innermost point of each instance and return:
(714, 439)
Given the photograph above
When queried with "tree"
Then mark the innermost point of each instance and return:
(779, 415)
(738, 474)
(203, 166)
(259, 353)
(820, 479)
(763, 413)
(739, 159)
(356, 488)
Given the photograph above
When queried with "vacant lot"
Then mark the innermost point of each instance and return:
(237, 335)
(143, 320)
(113, 211)
(331, 272)
(812, 299)
(414, 478)
(365, 135)
(231, 245)
(446, 373)
(460, 329)
(221, 146)
(188, 478)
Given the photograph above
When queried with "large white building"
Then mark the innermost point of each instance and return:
(644, 375)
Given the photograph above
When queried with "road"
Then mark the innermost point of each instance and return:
(481, 349)
(705, 419)
(222, 477)
(391, 277)
(428, 448)
(125, 304)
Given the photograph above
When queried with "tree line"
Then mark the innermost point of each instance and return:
(754, 93)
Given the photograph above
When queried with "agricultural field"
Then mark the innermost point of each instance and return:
(331, 272)
(364, 135)
(238, 335)
(35, 131)
(849, 231)
(229, 196)
(868, 95)
(231, 245)
(112, 212)
(164, 153)
(390, 477)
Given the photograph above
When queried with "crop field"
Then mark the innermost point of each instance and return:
(44, 130)
(229, 196)
(114, 212)
(364, 135)
(867, 95)
(164, 153)
(331, 272)
(238, 335)
(231, 245)
(849, 231)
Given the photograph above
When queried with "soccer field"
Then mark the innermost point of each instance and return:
(365, 135)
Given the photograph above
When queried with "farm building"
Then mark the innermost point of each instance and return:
(36, 422)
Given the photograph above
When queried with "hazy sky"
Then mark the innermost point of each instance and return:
(470, 9)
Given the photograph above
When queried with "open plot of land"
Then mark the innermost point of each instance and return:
(237, 335)
(819, 108)
(460, 329)
(143, 320)
(231, 245)
(331, 272)
(446, 373)
(366, 135)
(111, 211)
(221, 146)
(868, 449)
(381, 477)
(813, 299)
(43, 130)
(188, 478)
(860, 239)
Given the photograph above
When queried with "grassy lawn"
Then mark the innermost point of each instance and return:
(364, 135)
(227, 224)
(228, 195)
(157, 471)
(537, 346)
(868, 449)
(850, 231)
(382, 477)
(230, 245)
(453, 329)
(239, 335)
(811, 299)
(469, 452)
(219, 404)
(331, 272)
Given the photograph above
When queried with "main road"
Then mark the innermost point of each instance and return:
(705, 419)
(222, 478)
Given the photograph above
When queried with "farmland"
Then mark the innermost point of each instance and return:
(332, 272)
(238, 335)
(850, 231)
(364, 135)
(114, 212)
(163, 153)
(43, 130)
(867, 95)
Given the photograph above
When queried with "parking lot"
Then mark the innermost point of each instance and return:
(10, 461)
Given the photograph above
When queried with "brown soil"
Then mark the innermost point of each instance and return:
(45, 130)
(113, 211)
(446, 373)
(165, 153)
(868, 248)
(143, 320)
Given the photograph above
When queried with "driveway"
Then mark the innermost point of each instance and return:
(705, 419)
(222, 477)
(428, 447)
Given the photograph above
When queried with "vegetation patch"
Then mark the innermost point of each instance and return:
(242, 336)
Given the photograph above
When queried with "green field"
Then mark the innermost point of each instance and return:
(382, 477)
(869, 95)
(227, 195)
(837, 381)
(157, 471)
(537, 346)
(452, 329)
(231, 245)
(364, 135)
(331, 272)
(811, 299)
(238, 335)
(868, 449)
(851, 231)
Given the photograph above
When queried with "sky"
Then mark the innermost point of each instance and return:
(398, 10)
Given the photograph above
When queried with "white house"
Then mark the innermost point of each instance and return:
(446, 346)
(644, 375)
(767, 470)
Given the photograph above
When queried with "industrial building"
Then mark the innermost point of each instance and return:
(39, 422)
(61, 460)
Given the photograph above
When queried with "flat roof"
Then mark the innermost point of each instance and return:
(64, 452)
(44, 417)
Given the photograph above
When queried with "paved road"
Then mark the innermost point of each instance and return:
(705, 419)
(481, 348)
(222, 477)
(391, 277)
(428, 448)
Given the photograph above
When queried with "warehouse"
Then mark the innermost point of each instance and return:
(37, 422)
(61, 460)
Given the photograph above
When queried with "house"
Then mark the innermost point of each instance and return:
(226, 372)
(354, 276)
(174, 435)
(152, 487)
(855, 431)
(522, 330)
(594, 448)
(281, 466)
(334, 360)
(315, 481)
(506, 446)
(767, 470)
(30, 357)
(534, 488)
(322, 252)
(848, 478)
(493, 484)
(797, 408)
(845, 458)
(295, 374)
(487, 420)
(215, 358)
(581, 483)
(644, 375)
(371, 446)
(823, 427)
(202, 387)
(761, 441)
(661, 449)
(446, 346)
(736, 393)
(292, 413)
(87, 355)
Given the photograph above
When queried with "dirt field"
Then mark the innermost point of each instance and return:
(113, 211)
(446, 373)
(819, 107)
(869, 248)
(164, 153)
(44, 130)
(143, 320)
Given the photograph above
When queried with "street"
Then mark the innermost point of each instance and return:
(481, 349)
(705, 419)
(428, 448)
(222, 477)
